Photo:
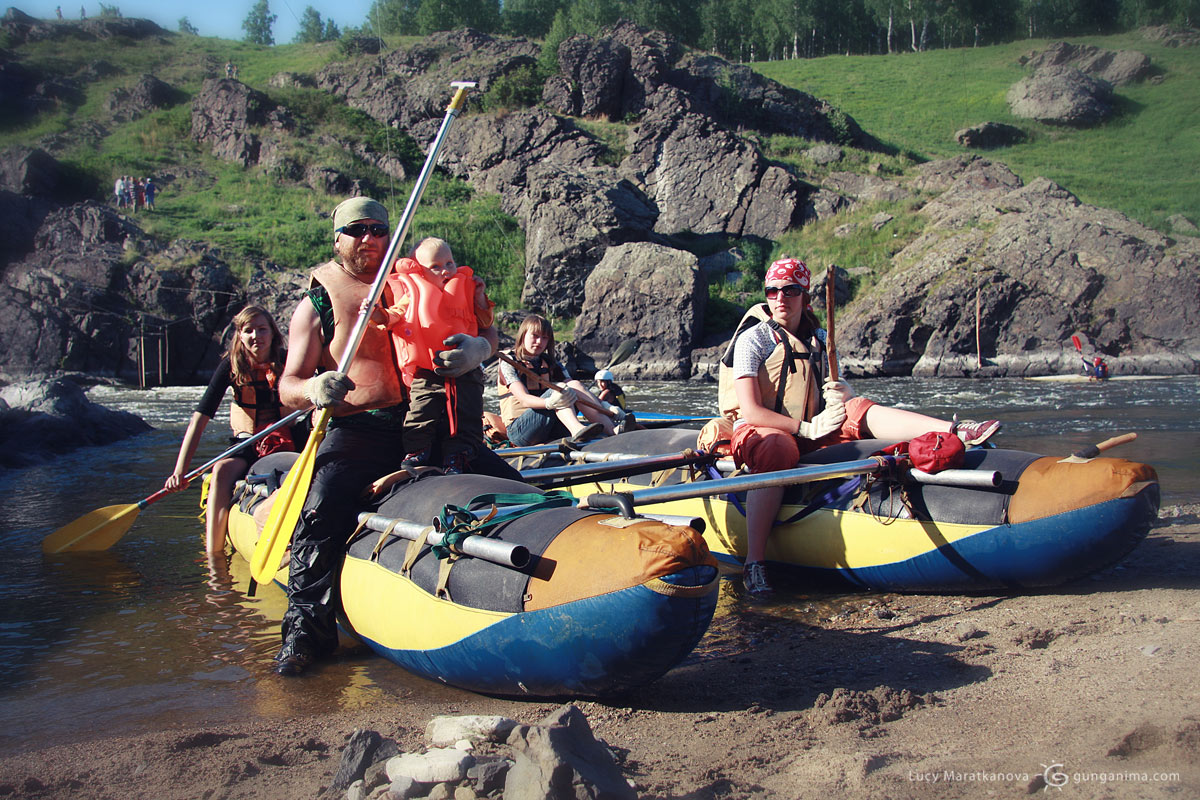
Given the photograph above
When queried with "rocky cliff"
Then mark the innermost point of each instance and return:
(607, 225)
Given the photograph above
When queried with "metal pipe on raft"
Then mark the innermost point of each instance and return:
(506, 554)
(967, 478)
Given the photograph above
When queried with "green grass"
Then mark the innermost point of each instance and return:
(1140, 163)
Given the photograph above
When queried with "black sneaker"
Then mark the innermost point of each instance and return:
(418, 459)
(455, 464)
(754, 579)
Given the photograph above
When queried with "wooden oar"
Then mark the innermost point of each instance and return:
(104, 527)
(1086, 454)
(281, 522)
(830, 302)
(741, 483)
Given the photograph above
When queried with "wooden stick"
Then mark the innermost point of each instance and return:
(528, 373)
(830, 301)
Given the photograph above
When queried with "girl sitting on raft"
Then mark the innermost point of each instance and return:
(539, 418)
(251, 366)
(813, 413)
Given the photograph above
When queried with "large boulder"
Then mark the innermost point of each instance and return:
(1118, 67)
(652, 294)
(989, 135)
(43, 418)
(225, 114)
(146, 95)
(571, 218)
(706, 179)
(1044, 267)
(591, 78)
(1060, 95)
(94, 284)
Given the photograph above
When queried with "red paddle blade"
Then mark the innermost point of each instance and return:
(1077, 343)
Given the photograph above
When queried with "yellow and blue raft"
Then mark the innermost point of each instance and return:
(604, 603)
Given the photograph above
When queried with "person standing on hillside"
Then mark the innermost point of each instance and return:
(150, 190)
(365, 438)
(119, 191)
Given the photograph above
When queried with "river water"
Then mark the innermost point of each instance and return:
(144, 636)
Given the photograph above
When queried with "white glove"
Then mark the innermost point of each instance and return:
(825, 423)
(467, 352)
(327, 389)
(614, 411)
(836, 392)
(563, 399)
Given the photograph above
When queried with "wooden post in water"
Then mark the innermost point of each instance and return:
(141, 357)
(160, 359)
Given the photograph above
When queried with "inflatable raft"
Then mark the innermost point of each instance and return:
(1009, 520)
(603, 604)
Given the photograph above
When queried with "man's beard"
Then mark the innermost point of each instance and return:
(357, 262)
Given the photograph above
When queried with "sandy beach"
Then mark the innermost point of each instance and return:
(1088, 691)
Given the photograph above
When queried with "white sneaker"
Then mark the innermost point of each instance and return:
(754, 579)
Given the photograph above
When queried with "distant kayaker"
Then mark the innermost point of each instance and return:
(435, 300)
(365, 438)
(532, 412)
(1097, 370)
(252, 365)
(782, 406)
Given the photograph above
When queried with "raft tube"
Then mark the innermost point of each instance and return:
(1049, 520)
(605, 604)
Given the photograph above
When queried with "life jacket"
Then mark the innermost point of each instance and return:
(510, 406)
(433, 313)
(789, 381)
(256, 404)
(376, 378)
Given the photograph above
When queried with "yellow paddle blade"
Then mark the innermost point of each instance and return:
(285, 511)
(96, 530)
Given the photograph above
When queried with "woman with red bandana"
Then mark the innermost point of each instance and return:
(783, 406)
(252, 366)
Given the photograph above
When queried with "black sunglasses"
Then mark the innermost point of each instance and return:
(791, 290)
(355, 230)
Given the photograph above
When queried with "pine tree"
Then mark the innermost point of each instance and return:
(258, 24)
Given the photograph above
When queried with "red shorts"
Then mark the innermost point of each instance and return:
(764, 449)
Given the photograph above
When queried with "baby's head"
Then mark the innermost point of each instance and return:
(435, 256)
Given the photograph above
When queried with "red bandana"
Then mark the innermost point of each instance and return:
(791, 270)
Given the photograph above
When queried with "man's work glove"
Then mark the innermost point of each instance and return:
(825, 423)
(465, 354)
(327, 389)
(836, 392)
(563, 399)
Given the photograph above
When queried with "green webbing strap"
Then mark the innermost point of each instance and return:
(456, 523)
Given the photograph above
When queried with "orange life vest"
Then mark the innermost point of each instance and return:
(256, 404)
(377, 382)
(432, 314)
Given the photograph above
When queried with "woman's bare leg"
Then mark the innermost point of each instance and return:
(220, 497)
(762, 507)
(886, 422)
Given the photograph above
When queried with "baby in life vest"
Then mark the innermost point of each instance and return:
(434, 298)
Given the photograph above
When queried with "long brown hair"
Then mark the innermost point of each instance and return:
(240, 361)
(542, 326)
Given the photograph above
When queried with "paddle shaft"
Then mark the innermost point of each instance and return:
(530, 374)
(242, 443)
(743, 483)
(564, 475)
(1093, 450)
(410, 210)
(830, 302)
(285, 512)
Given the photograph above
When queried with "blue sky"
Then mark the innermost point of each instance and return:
(212, 17)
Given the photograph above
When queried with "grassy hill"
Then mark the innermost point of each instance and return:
(1142, 163)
